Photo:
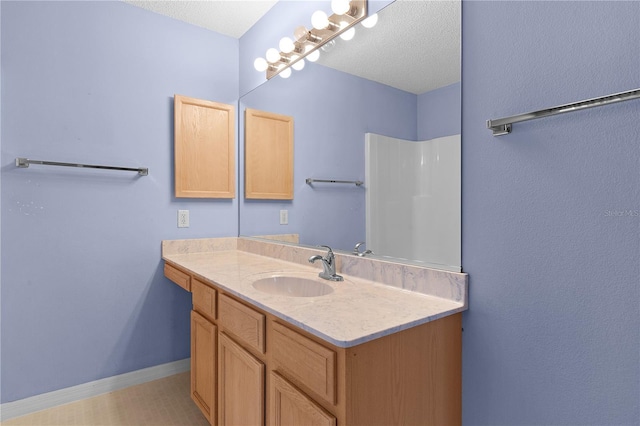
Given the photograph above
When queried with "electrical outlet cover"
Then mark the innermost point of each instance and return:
(183, 218)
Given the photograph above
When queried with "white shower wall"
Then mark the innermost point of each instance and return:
(413, 199)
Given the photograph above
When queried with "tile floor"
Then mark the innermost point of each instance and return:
(164, 402)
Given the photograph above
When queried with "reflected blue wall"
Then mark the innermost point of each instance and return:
(439, 112)
(332, 111)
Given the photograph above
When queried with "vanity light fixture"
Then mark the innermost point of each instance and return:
(346, 14)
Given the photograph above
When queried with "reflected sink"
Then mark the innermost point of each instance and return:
(292, 286)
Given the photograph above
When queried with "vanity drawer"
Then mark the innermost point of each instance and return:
(177, 276)
(242, 321)
(204, 298)
(305, 361)
(289, 406)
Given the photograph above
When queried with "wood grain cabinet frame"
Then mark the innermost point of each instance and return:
(177, 276)
(290, 406)
(204, 148)
(203, 367)
(241, 385)
(268, 155)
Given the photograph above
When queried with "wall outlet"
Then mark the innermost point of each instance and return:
(284, 217)
(183, 218)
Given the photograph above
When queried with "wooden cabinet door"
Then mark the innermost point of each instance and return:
(268, 153)
(288, 406)
(203, 365)
(204, 148)
(240, 385)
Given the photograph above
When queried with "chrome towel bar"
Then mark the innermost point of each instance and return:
(356, 182)
(24, 162)
(502, 126)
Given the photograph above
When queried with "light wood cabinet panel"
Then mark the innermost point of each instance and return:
(268, 155)
(241, 385)
(305, 361)
(243, 322)
(203, 365)
(177, 276)
(407, 378)
(290, 407)
(204, 299)
(204, 148)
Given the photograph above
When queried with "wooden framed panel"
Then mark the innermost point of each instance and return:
(203, 365)
(177, 276)
(268, 155)
(302, 360)
(243, 322)
(204, 148)
(241, 385)
(204, 299)
(290, 407)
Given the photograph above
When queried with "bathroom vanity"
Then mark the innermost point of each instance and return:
(361, 353)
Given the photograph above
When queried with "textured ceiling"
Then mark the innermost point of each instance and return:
(414, 47)
(228, 17)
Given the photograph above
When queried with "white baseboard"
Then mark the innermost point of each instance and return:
(43, 401)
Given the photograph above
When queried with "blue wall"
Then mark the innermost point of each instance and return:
(552, 335)
(83, 294)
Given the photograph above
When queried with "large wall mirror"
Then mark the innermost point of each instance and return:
(383, 109)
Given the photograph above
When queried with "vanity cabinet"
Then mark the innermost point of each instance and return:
(252, 368)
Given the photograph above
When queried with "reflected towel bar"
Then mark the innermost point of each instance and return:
(24, 162)
(356, 182)
(502, 126)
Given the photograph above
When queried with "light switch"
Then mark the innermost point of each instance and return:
(284, 217)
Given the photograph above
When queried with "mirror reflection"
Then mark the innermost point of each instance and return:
(384, 109)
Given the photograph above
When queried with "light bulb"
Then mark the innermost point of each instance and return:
(371, 21)
(273, 55)
(285, 73)
(313, 56)
(340, 7)
(347, 35)
(298, 65)
(300, 33)
(328, 46)
(286, 45)
(260, 64)
(319, 20)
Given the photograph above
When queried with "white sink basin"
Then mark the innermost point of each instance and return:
(292, 286)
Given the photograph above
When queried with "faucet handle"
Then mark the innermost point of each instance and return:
(356, 250)
(330, 252)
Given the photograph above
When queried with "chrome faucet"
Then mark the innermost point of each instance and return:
(328, 265)
(356, 250)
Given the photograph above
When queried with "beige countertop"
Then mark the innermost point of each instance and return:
(358, 310)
